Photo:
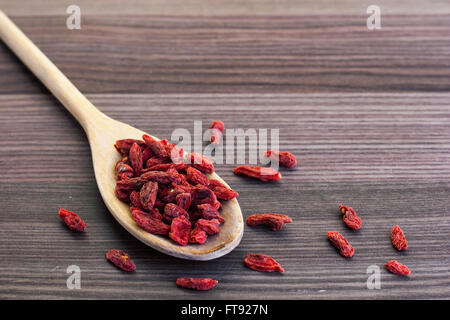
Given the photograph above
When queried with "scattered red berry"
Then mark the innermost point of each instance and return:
(121, 260)
(72, 220)
(397, 268)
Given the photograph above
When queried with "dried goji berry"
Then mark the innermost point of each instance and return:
(183, 200)
(344, 247)
(130, 184)
(209, 226)
(175, 153)
(180, 230)
(221, 191)
(195, 176)
(154, 213)
(217, 128)
(72, 220)
(273, 220)
(209, 212)
(398, 238)
(149, 223)
(201, 163)
(397, 268)
(197, 235)
(166, 177)
(262, 262)
(165, 167)
(123, 170)
(158, 147)
(201, 195)
(148, 194)
(147, 153)
(122, 194)
(260, 173)
(135, 200)
(153, 161)
(172, 211)
(196, 283)
(350, 218)
(285, 159)
(121, 260)
(195, 215)
(136, 158)
(124, 145)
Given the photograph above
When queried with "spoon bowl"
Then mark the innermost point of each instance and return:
(102, 133)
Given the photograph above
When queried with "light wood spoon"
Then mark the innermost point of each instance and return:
(102, 132)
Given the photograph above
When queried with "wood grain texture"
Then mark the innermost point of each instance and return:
(222, 7)
(385, 154)
(238, 54)
(365, 112)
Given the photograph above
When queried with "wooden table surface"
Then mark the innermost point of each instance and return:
(367, 114)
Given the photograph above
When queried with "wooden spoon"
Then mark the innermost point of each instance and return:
(102, 132)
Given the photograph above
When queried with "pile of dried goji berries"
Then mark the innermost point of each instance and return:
(168, 191)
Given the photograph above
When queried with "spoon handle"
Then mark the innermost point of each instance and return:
(61, 87)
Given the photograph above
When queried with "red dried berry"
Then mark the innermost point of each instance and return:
(180, 230)
(397, 268)
(197, 235)
(171, 211)
(209, 226)
(195, 176)
(209, 212)
(221, 191)
(149, 223)
(136, 159)
(201, 195)
(124, 145)
(123, 170)
(153, 161)
(165, 167)
(344, 247)
(217, 128)
(135, 200)
(285, 159)
(183, 200)
(148, 194)
(166, 177)
(154, 213)
(158, 147)
(262, 263)
(130, 184)
(260, 173)
(196, 283)
(398, 238)
(350, 218)
(175, 153)
(122, 194)
(201, 163)
(273, 220)
(147, 153)
(72, 220)
(121, 260)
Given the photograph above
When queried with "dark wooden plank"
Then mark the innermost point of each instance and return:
(385, 154)
(222, 7)
(238, 54)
